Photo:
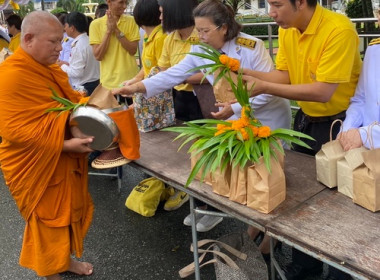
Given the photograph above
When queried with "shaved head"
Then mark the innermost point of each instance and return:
(37, 22)
(41, 36)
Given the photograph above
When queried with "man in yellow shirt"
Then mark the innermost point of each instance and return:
(14, 28)
(114, 39)
(318, 65)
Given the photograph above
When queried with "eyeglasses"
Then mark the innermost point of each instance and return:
(205, 32)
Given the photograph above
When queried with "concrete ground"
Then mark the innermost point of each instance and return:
(120, 244)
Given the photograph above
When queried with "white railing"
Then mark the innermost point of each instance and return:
(365, 36)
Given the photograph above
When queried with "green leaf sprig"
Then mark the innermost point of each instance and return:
(67, 104)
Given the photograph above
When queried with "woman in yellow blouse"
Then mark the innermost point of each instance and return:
(147, 16)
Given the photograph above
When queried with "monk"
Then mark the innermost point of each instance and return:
(43, 166)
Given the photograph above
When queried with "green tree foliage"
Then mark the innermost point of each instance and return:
(25, 9)
(361, 9)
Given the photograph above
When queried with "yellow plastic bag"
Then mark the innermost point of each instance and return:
(145, 197)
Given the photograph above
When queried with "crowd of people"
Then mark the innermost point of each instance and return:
(318, 64)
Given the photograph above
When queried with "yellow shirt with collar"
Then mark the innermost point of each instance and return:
(174, 50)
(15, 42)
(117, 64)
(152, 49)
(328, 51)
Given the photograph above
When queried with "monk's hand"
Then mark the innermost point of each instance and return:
(226, 111)
(350, 139)
(78, 145)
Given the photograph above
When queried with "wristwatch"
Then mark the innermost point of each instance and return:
(121, 35)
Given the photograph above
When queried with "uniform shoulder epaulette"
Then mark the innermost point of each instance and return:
(374, 41)
(193, 40)
(245, 42)
(65, 39)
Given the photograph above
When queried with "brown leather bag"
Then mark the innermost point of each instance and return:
(206, 99)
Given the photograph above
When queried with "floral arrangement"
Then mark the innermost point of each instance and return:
(236, 142)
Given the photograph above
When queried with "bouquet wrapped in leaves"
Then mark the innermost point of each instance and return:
(233, 143)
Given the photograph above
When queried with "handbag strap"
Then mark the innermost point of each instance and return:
(229, 248)
(190, 268)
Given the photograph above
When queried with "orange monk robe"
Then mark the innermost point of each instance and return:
(49, 187)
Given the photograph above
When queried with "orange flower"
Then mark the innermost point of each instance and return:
(219, 132)
(264, 131)
(238, 124)
(231, 63)
(244, 133)
(255, 130)
(223, 59)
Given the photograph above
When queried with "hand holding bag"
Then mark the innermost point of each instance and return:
(326, 160)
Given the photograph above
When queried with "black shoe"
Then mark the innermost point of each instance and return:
(295, 271)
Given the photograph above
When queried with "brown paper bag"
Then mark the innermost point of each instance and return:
(345, 166)
(222, 89)
(103, 98)
(326, 161)
(221, 181)
(193, 160)
(238, 184)
(265, 191)
(366, 184)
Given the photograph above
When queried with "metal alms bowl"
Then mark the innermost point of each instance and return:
(94, 122)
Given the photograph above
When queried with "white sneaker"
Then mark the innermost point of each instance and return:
(208, 222)
(187, 220)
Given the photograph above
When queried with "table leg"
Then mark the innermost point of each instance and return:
(195, 239)
(274, 266)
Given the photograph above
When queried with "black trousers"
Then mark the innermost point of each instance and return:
(90, 86)
(186, 106)
(319, 129)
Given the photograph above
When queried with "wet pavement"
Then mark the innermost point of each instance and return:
(120, 243)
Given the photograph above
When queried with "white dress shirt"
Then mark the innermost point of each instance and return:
(364, 108)
(83, 67)
(270, 110)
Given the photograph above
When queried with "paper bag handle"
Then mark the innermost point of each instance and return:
(190, 268)
(332, 126)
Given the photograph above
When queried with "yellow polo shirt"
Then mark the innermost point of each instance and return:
(174, 51)
(117, 64)
(152, 49)
(328, 51)
(15, 42)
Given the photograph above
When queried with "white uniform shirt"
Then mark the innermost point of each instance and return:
(364, 108)
(270, 110)
(64, 55)
(83, 67)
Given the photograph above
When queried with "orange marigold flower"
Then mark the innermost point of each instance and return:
(237, 124)
(255, 130)
(219, 132)
(223, 59)
(220, 126)
(244, 121)
(244, 133)
(264, 131)
(234, 64)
